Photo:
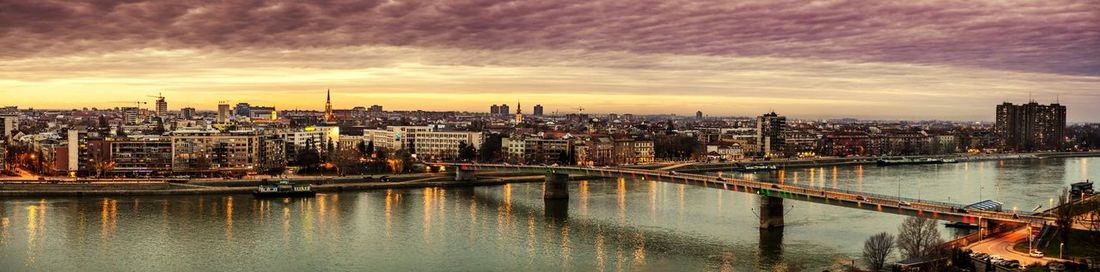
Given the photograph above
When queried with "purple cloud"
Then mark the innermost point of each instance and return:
(1045, 36)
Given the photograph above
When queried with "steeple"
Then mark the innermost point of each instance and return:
(329, 117)
(519, 113)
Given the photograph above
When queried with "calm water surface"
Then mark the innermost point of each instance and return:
(608, 225)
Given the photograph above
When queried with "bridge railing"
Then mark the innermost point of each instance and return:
(929, 204)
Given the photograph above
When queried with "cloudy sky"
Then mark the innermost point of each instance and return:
(810, 59)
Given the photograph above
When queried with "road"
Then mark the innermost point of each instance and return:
(1003, 246)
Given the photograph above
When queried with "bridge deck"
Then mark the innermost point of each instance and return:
(830, 196)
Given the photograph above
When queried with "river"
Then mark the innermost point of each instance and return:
(607, 225)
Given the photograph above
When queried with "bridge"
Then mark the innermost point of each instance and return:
(772, 194)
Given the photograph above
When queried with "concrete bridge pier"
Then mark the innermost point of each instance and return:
(556, 186)
(465, 173)
(771, 212)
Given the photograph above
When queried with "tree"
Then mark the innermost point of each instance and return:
(1063, 216)
(403, 159)
(344, 160)
(119, 132)
(307, 157)
(877, 249)
(362, 148)
(918, 237)
(370, 149)
(1091, 221)
(103, 124)
(490, 149)
(466, 152)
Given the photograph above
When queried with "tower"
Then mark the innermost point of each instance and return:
(519, 113)
(162, 106)
(329, 117)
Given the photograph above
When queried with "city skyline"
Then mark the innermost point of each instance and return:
(866, 60)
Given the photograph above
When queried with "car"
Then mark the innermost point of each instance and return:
(905, 203)
(1036, 254)
(861, 198)
(721, 179)
(996, 258)
(776, 186)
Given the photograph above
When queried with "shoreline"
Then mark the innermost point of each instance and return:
(326, 184)
(190, 189)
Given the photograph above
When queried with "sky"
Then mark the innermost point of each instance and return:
(868, 59)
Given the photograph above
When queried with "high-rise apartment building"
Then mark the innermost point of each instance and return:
(504, 110)
(162, 106)
(1031, 127)
(187, 113)
(242, 109)
(494, 110)
(223, 112)
(8, 126)
(769, 134)
(538, 110)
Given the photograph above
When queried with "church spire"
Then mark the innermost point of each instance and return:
(330, 118)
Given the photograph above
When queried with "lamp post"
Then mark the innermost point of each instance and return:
(1060, 246)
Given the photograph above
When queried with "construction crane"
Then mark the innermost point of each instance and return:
(159, 96)
(136, 103)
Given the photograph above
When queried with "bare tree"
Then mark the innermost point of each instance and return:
(345, 160)
(918, 237)
(876, 249)
(1063, 216)
(1091, 221)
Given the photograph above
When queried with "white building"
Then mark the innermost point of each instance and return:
(426, 141)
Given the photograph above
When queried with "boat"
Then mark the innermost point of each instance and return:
(283, 188)
(907, 161)
(757, 168)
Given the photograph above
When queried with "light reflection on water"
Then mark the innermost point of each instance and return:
(607, 225)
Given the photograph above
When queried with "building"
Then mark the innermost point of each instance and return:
(394, 137)
(131, 115)
(162, 106)
(504, 110)
(770, 130)
(724, 151)
(1031, 127)
(444, 145)
(140, 155)
(375, 109)
(187, 113)
(8, 126)
(330, 118)
(425, 141)
(318, 138)
(262, 113)
(699, 115)
(223, 112)
(538, 110)
(209, 152)
(494, 110)
(242, 109)
(519, 113)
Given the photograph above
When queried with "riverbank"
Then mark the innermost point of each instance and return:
(216, 187)
(823, 162)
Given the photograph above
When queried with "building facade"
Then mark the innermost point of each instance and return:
(770, 130)
(1031, 127)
